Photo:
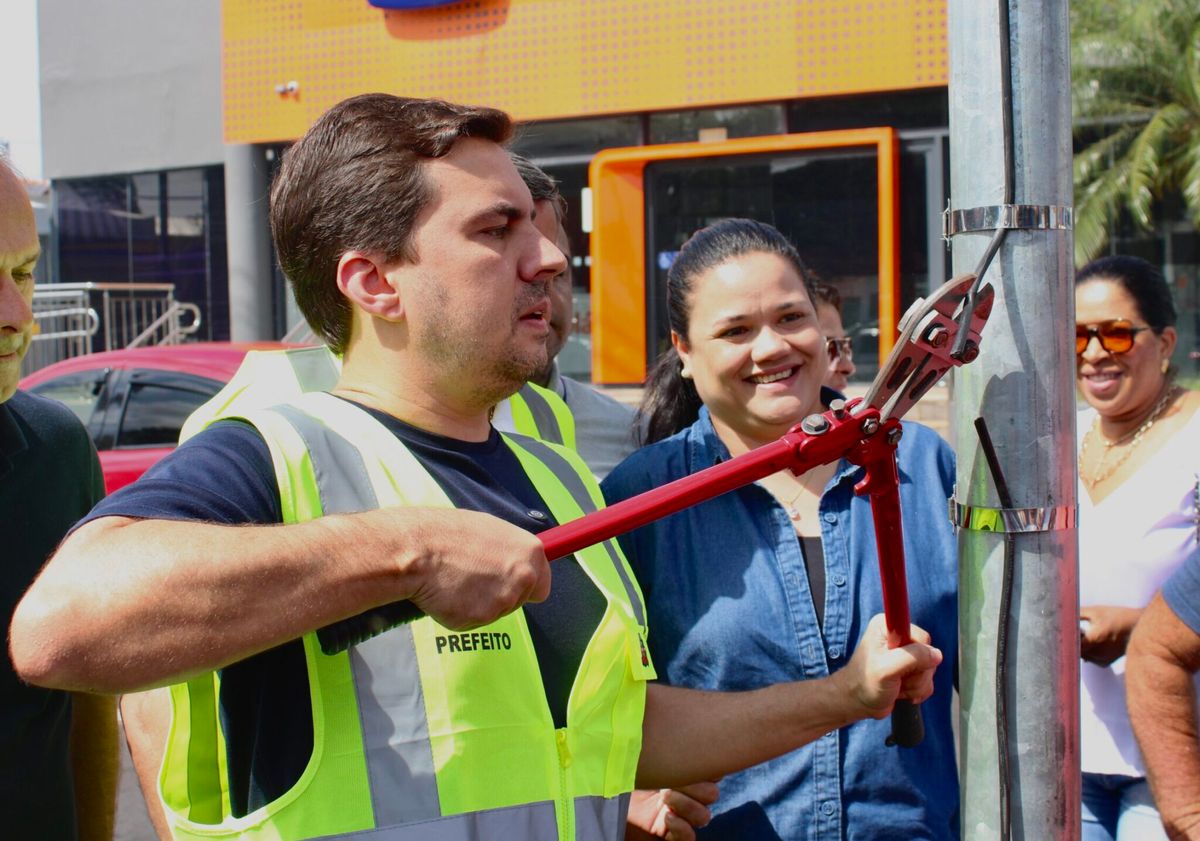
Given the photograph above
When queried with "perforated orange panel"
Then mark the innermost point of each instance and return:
(541, 59)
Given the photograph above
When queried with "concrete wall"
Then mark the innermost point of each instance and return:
(129, 86)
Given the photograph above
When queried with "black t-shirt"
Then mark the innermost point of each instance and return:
(49, 478)
(225, 475)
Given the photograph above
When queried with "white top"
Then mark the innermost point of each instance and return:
(1129, 545)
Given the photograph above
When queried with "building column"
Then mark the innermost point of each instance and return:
(248, 237)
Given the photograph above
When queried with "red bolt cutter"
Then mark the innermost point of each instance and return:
(865, 432)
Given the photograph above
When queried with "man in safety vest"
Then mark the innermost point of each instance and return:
(518, 707)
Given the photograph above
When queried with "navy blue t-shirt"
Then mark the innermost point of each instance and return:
(225, 475)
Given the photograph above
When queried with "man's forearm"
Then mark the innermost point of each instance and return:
(129, 604)
(94, 764)
(146, 717)
(1163, 653)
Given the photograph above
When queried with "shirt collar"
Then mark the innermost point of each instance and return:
(555, 383)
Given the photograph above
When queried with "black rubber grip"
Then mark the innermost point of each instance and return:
(908, 730)
(339, 636)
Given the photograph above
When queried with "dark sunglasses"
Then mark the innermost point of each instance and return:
(842, 348)
(1116, 335)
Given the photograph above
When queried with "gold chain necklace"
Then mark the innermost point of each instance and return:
(790, 506)
(1170, 392)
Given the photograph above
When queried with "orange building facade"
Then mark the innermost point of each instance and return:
(824, 117)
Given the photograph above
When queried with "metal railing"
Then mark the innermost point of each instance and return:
(77, 318)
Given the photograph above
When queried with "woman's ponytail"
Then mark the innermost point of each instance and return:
(670, 402)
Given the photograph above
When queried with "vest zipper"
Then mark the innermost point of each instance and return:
(566, 812)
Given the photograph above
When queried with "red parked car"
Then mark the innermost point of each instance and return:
(133, 402)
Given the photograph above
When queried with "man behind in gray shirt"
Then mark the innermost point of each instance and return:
(604, 427)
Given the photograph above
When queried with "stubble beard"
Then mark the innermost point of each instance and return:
(493, 374)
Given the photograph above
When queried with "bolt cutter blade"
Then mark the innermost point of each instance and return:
(923, 353)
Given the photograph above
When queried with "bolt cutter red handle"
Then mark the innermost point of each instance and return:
(819, 439)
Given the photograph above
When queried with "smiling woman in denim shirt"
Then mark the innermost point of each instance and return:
(776, 581)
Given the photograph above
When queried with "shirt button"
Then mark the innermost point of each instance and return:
(537, 515)
(827, 807)
(793, 580)
(839, 581)
(835, 653)
(830, 517)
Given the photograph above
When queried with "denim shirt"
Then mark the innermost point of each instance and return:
(730, 609)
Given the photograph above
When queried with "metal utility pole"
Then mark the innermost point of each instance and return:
(1023, 385)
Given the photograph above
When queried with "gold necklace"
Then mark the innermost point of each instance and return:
(1170, 392)
(789, 507)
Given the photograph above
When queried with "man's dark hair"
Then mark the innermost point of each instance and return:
(354, 182)
(541, 185)
(823, 293)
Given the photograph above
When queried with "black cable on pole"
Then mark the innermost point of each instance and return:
(1004, 623)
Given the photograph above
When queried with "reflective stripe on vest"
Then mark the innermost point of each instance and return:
(264, 378)
(405, 729)
(578, 491)
(541, 413)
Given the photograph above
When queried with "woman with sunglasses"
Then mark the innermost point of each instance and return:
(1139, 454)
(778, 579)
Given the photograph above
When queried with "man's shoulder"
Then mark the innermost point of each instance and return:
(45, 422)
(579, 394)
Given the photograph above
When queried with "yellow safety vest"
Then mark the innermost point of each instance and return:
(267, 377)
(423, 732)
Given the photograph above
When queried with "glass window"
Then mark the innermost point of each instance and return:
(576, 138)
(824, 202)
(899, 109)
(146, 234)
(151, 227)
(155, 411)
(92, 215)
(78, 392)
(745, 121)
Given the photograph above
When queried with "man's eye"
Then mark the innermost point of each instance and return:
(497, 233)
(731, 333)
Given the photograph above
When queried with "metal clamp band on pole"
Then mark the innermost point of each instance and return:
(1030, 217)
(1020, 520)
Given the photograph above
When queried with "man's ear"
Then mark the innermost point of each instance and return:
(363, 280)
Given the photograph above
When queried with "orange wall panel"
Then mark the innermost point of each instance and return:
(618, 240)
(543, 59)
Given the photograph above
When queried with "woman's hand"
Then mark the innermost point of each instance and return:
(1104, 632)
(674, 814)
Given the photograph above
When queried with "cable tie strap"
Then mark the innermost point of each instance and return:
(1030, 217)
(1026, 520)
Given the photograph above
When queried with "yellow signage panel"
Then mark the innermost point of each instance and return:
(287, 61)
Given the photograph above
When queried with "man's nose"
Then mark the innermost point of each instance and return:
(15, 309)
(545, 262)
